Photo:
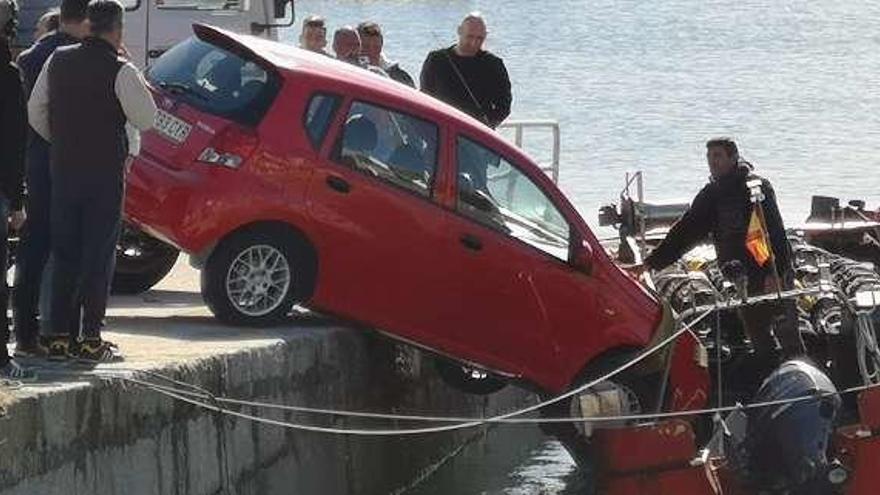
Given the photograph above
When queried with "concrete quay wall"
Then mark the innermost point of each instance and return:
(87, 436)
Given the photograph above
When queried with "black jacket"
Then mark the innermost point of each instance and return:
(721, 211)
(13, 129)
(31, 61)
(397, 73)
(485, 76)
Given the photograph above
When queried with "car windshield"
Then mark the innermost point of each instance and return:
(215, 81)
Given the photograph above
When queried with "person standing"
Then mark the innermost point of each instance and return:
(33, 252)
(724, 211)
(13, 130)
(372, 42)
(80, 103)
(469, 78)
(314, 35)
(48, 22)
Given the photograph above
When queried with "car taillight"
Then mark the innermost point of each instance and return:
(230, 148)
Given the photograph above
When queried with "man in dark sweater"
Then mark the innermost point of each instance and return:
(13, 128)
(469, 78)
(33, 251)
(722, 211)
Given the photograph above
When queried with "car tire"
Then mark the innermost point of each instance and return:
(141, 261)
(254, 277)
(464, 379)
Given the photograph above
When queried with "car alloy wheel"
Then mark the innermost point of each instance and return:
(258, 280)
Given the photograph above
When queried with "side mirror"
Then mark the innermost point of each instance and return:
(582, 258)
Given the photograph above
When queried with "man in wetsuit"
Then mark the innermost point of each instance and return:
(722, 211)
(469, 78)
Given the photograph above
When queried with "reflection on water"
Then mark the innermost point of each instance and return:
(508, 460)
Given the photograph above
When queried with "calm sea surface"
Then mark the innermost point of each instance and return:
(640, 85)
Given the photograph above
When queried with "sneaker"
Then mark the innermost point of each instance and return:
(59, 349)
(15, 372)
(30, 351)
(98, 351)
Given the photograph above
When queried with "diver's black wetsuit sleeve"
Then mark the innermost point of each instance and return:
(776, 230)
(691, 228)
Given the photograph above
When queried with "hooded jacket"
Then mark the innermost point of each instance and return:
(721, 212)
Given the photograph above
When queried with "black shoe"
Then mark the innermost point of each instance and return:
(98, 351)
(59, 349)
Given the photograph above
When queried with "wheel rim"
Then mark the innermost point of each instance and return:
(258, 280)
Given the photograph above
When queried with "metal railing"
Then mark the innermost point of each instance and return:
(519, 126)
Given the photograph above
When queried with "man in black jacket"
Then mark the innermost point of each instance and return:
(722, 210)
(13, 128)
(33, 251)
(468, 77)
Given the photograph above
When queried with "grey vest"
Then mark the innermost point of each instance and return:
(86, 121)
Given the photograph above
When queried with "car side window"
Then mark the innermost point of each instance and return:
(319, 115)
(392, 146)
(496, 193)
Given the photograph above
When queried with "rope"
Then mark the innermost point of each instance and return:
(186, 397)
(180, 395)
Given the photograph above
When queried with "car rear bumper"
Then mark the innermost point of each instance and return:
(160, 200)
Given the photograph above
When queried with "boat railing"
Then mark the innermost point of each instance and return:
(519, 128)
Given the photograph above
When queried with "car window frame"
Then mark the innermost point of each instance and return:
(335, 150)
(340, 103)
(515, 164)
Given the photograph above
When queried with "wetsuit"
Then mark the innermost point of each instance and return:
(721, 211)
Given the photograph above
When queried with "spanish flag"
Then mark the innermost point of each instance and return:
(756, 239)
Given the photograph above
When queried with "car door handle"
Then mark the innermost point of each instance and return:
(471, 242)
(338, 184)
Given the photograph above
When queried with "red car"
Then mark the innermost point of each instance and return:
(290, 177)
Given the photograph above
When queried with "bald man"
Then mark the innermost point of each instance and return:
(467, 77)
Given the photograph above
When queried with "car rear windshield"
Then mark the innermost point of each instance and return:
(216, 81)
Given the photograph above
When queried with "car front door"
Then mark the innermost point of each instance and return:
(536, 289)
(502, 229)
(376, 223)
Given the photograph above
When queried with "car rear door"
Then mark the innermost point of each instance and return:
(376, 224)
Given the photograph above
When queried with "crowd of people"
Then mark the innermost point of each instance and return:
(464, 75)
(72, 111)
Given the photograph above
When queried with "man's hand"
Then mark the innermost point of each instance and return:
(129, 160)
(17, 219)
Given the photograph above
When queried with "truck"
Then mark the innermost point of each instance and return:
(154, 26)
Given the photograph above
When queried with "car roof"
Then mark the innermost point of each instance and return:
(293, 60)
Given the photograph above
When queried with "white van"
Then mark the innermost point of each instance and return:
(153, 26)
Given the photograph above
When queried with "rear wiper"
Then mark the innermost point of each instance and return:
(181, 88)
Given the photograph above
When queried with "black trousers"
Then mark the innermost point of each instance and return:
(85, 218)
(33, 250)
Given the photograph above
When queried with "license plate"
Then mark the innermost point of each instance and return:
(171, 127)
